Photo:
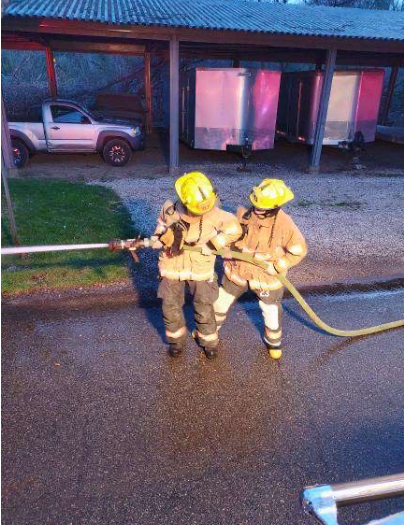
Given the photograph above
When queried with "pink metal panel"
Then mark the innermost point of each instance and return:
(353, 105)
(219, 93)
(235, 106)
(265, 95)
(316, 86)
(369, 96)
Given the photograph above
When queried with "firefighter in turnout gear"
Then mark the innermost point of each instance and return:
(270, 236)
(195, 220)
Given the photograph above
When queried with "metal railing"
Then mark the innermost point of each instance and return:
(322, 501)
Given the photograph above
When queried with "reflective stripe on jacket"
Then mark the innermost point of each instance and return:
(218, 227)
(274, 239)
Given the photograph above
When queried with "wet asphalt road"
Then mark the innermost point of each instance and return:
(100, 426)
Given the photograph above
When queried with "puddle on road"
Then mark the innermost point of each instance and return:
(352, 296)
(376, 294)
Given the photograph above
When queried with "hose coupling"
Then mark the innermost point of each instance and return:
(116, 245)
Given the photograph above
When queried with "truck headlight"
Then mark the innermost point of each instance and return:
(136, 131)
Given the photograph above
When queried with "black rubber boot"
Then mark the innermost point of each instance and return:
(210, 352)
(175, 349)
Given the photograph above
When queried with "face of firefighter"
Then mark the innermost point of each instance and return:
(264, 214)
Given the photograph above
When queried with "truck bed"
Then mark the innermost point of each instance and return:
(34, 131)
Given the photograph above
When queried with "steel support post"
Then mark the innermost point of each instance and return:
(9, 204)
(174, 105)
(389, 96)
(51, 73)
(6, 148)
(322, 111)
(7, 167)
(147, 88)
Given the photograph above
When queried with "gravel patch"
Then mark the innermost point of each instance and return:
(354, 224)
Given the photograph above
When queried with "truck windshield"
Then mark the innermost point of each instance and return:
(87, 111)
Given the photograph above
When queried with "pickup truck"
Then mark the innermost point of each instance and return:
(61, 126)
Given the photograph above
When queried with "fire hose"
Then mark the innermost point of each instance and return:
(309, 311)
(133, 244)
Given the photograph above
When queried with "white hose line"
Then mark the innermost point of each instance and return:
(238, 256)
(52, 248)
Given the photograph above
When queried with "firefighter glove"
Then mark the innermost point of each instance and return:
(173, 238)
(156, 244)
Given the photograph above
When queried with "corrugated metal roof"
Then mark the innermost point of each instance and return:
(236, 15)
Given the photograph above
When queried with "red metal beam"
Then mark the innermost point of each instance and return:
(203, 51)
(50, 70)
(27, 42)
(67, 27)
(22, 45)
(111, 48)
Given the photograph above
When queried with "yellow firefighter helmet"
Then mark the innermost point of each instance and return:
(271, 193)
(196, 192)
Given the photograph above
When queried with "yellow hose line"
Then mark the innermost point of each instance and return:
(313, 316)
(329, 329)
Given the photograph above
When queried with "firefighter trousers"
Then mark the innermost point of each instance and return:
(204, 294)
(270, 303)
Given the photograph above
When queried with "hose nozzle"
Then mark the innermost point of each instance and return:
(117, 245)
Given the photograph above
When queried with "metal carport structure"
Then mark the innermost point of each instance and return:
(232, 29)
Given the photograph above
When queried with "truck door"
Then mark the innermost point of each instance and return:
(67, 128)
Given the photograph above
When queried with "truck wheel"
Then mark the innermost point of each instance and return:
(20, 152)
(117, 153)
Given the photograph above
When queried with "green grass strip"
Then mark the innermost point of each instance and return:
(61, 212)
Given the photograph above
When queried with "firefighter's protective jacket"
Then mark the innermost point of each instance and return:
(273, 239)
(217, 229)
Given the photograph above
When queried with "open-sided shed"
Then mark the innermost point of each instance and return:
(231, 29)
